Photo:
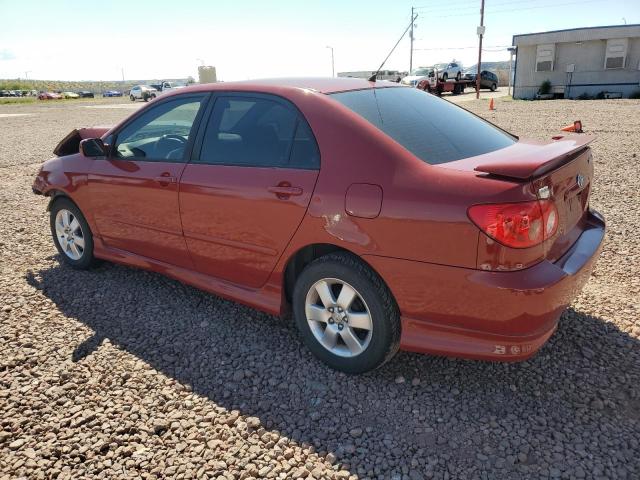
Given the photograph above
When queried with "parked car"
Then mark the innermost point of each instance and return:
(384, 217)
(49, 96)
(4, 93)
(416, 75)
(487, 79)
(69, 95)
(450, 70)
(143, 92)
(85, 94)
(112, 93)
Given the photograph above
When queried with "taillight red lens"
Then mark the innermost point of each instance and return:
(517, 225)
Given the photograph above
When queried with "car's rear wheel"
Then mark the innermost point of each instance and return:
(133, 99)
(494, 87)
(345, 313)
(71, 234)
(445, 76)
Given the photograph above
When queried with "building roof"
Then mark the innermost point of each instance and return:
(578, 34)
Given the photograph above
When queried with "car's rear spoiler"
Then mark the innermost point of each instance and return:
(71, 143)
(526, 164)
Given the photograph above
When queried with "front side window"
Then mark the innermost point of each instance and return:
(433, 129)
(258, 132)
(161, 133)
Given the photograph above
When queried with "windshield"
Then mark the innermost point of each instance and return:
(420, 72)
(431, 128)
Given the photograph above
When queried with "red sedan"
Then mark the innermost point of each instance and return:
(382, 216)
(49, 96)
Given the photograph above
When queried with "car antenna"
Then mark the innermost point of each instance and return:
(372, 78)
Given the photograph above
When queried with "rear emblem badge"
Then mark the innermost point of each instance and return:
(580, 180)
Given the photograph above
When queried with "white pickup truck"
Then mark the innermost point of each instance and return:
(165, 86)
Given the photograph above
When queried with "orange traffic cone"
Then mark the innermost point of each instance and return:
(575, 127)
(491, 107)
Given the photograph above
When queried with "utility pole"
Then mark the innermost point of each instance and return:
(333, 68)
(480, 34)
(411, 38)
(511, 50)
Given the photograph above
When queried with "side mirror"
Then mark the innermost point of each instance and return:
(93, 147)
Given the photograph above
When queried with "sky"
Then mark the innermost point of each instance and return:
(91, 40)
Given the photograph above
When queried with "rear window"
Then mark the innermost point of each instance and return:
(433, 129)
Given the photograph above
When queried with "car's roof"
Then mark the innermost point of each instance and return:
(318, 84)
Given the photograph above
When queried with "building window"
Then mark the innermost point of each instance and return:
(545, 55)
(616, 54)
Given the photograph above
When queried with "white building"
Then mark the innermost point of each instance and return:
(579, 61)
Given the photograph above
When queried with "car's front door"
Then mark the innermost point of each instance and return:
(247, 187)
(134, 192)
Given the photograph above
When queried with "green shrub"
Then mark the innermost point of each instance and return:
(584, 96)
(600, 96)
(545, 87)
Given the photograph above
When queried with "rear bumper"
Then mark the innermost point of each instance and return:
(504, 316)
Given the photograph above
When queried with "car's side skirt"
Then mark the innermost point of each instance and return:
(267, 298)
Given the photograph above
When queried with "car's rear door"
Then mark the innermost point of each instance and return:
(248, 186)
(134, 192)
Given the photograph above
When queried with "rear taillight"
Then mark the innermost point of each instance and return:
(517, 225)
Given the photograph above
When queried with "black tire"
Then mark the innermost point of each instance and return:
(87, 260)
(385, 316)
(458, 76)
(145, 97)
(133, 99)
(445, 76)
(494, 87)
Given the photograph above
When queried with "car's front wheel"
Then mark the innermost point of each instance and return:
(345, 313)
(494, 87)
(71, 234)
(445, 76)
(458, 76)
(132, 98)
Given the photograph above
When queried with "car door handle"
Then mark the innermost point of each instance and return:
(284, 191)
(165, 179)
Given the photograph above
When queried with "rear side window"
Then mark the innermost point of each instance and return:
(258, 132)
(433, 129)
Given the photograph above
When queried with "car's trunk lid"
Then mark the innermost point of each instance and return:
(569, 186)
(523, 163)
(561, 169)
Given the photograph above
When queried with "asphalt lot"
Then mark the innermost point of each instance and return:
(121, 373)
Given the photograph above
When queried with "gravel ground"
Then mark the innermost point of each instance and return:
(120, 373)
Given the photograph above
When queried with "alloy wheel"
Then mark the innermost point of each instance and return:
(338, 317)
(70, 235)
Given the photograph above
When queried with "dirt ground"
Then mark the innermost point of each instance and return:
(121, 373)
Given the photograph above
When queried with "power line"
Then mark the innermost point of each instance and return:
(553, 5)
(464, 2)
(473, 5)
(465, 48)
